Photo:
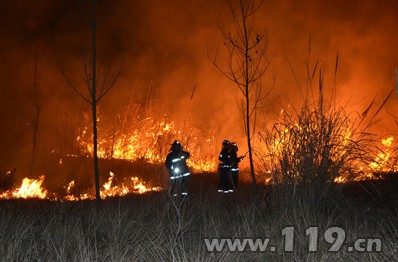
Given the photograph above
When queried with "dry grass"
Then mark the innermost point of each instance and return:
(315, 145)
(151, 227)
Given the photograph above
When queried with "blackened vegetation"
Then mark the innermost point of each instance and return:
(7, 179)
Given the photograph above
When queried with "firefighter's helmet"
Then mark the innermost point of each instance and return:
(234, 146)
(176, 146)
(226, 142)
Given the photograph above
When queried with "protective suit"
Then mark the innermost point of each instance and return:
(178, 169)
(225, 185)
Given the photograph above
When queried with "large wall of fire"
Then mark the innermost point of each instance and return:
(167, 76)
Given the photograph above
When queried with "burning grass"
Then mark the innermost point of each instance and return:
(311, 146)
(70, 180)
(315, 145)
(33, 188)
(319, 145)
(138, 135)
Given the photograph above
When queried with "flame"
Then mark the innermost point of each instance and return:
(381, 165)
(382, 161)
(135, 186)
(33, 188)
(69, 187)
(30, 188)
(149, 140)
(387, 142)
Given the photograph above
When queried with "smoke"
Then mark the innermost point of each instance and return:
(362, 33)
(163, 48)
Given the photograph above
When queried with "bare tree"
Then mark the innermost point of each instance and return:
(38, 101)
(247, 62)
(96, 91)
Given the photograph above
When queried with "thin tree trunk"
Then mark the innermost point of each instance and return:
(247, 64)
(95, 153)
(94, 96)
(35, 136)
(94, 108)
(36, 119)
(247, 83)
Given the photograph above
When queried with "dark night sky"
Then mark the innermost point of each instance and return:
(164, 45)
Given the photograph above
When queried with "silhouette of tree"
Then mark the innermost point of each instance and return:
(247, 62)
(96, 91)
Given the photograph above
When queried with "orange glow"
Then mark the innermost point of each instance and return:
(144, 144)
(376, 164)
(150, 141)
(33, 188)
(30, 188)
(382, 162)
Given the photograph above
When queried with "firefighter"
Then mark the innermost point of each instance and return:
(224, 167)
(235, 160)
(177, 166)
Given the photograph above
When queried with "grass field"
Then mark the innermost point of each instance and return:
(153, 227)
